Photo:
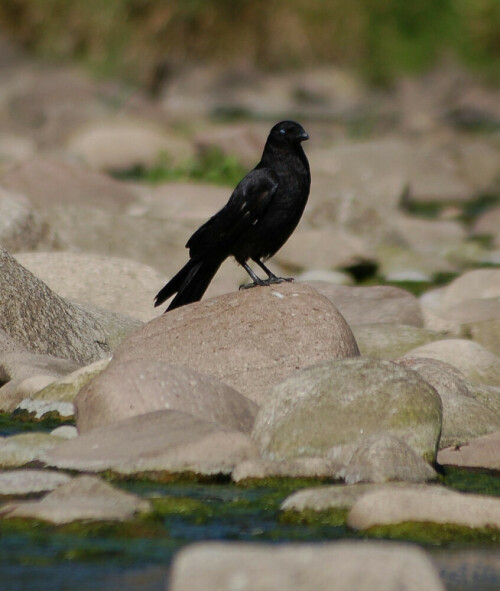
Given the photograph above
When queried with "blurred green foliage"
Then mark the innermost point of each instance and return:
(211, 166)
(381, 38)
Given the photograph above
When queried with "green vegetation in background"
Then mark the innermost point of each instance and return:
(137, 38)
(211, 166)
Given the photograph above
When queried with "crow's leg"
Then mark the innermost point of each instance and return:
(256, 280)
(271, 276)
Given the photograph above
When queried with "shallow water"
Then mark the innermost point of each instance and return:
(108, 557)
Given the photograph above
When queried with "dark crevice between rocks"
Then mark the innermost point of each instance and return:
(23, 421)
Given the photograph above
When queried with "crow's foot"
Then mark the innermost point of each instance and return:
(275, 279)
(260, 283)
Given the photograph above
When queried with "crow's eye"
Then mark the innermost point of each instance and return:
(282, 131)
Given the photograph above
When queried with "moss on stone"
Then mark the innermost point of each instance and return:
(21, 421)
(331, 517)
(472, 480)
(434, 533)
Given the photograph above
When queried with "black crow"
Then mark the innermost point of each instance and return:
(261, 214)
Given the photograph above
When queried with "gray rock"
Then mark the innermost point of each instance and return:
(464, 417)
(488, 224)
(189, 202)
(20, 226)
(21, 365)
(332, 566)
(20, 449)
(325, 498)
(475, 362)
(398, 263)
(353, 209)
(335, 496)
(83, 497)
(294, 468)
(48, 182)
(317, 278)
(25, 482)
(437, 179)
(475, 453)
(388, 341)
(478, 319)
(39, 408)
(425, 504)
(14, 392)
(241, 141)
(428, 237)
(434, 317)
(117, 284)
(66, 388)
(128, 389)
(375, 304)
(42, 321)
(15, 148)
(115, 326)
(166, 440)
(487, 395)
(478, 161)
(479, 283)
(65, 432)
(377, 169)
(24, 374)
(9, 345)
(153, 242)
(121, 144)
(49, 102)
(249, 340)
(486, 333)
(384, 458)
(326, 248)
(338, 401)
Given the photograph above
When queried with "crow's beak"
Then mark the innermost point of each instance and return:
(303, 136)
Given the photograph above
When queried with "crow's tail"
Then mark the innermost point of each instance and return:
(190, 283)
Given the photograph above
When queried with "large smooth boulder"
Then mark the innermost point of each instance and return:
(125, 390)
(166, 440)
(334, 566)
(44, 322)
(250, 340)
(337, 402)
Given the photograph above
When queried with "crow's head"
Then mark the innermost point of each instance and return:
(288, 132)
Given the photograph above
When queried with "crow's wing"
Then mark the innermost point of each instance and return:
(245, 207)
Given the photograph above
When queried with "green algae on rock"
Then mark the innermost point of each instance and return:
(336, 402)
